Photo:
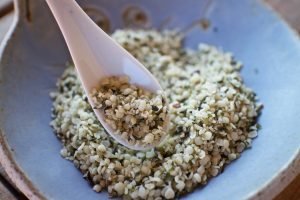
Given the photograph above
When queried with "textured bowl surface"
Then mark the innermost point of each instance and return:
(35, 54)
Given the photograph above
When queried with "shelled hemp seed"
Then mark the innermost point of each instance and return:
(213, 119)
(134, 113)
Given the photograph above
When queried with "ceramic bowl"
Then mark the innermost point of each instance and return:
(34, 55)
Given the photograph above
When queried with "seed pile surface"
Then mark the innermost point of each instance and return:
(135, 114)
(212, 113)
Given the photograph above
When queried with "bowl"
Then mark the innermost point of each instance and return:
(33, 56)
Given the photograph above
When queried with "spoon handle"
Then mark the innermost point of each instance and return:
(84, 39)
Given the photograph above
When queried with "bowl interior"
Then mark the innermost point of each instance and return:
(36, 56)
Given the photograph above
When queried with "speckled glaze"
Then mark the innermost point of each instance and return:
(33, 57)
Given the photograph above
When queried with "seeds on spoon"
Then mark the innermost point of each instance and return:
(137, 115)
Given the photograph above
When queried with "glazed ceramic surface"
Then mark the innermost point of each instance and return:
(35, 55)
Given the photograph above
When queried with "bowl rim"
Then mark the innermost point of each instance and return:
(271, 188)
(7, 160)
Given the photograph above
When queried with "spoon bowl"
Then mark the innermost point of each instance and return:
(96, 55)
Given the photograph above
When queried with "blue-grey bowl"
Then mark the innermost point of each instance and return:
(34, 56)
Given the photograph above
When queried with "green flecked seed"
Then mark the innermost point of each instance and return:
(212, 118)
